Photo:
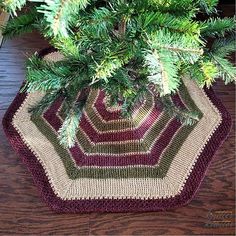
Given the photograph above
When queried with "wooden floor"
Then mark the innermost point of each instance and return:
(22, 212)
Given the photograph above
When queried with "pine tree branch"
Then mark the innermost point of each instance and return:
(69, 128)
(226, 69)
(162, 70)
(188, 50)
(24, 23)
(59, 14)
(209, 6)
(12, 5)
(185, 116)
(48, 99)
(183, 46)
(214, 27)
(223, 47)
(154, 20)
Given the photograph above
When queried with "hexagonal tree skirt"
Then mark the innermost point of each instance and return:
(148, 162)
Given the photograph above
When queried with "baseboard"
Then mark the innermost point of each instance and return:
(3, 20)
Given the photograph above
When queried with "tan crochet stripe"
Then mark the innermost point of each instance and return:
(115, 125)
(54, 56)
(109, 108)
(158, 170)
(135, 111)
(102, 126)
(134, 188)
(126, 147)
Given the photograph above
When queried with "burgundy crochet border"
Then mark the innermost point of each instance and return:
(115, 205)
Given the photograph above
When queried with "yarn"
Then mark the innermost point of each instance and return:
(148, 162)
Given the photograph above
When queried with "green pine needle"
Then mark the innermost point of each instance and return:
(217, 27)
(25, 23)
(69, 128)
(227, 71)
(12, 5)
(48, 99)
(185, 116)
(223, 47)
(60, 14)
(162, 71)
(208, 6)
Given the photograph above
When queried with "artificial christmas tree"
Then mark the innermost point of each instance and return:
(122, 47)
(118, 104)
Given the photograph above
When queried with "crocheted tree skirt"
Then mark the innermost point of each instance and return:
(149, 162)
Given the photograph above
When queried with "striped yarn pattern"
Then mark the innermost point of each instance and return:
(148, 162)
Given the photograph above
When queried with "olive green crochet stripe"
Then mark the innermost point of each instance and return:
(90, 172)
(181, 136)
(114, 125)
(133, 146)
(188, 100)
(107, 172)
(129, 146)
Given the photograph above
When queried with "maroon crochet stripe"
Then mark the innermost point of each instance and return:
(82, 159)
(112, 205)
(102, 110)
(134, 134)
(177, 101)
(152, 158)
(134, 159)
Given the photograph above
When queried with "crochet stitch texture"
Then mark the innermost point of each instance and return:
(148, 162)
